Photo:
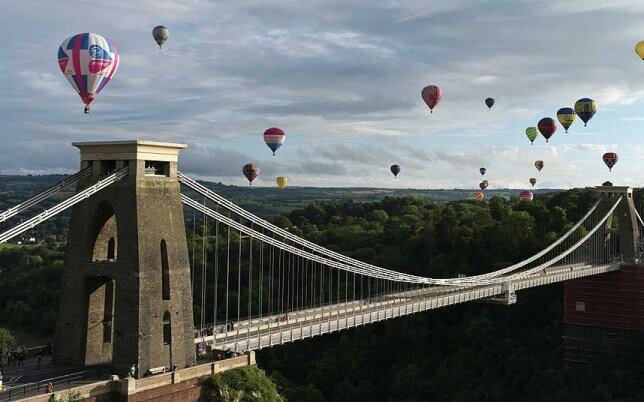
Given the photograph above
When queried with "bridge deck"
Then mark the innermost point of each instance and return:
(270, 330)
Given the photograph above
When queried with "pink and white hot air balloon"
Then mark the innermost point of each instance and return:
(526, 195)
(89, 62)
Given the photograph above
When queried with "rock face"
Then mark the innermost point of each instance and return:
(126, 296)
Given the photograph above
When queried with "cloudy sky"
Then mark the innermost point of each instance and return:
(343, 79)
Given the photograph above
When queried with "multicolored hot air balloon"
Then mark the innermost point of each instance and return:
(395, 169)
(274, 137)
(610, 159)
(547, 127)
(482, 171)
(639, 49)
(483, 185)
(89, 62)
(479, 196)
(160, 34)
(538, 165)
(251, 171)
(431, 94)
(526, 195)
(533, 181)
(489, 102)
(281, 182)
(531, 133)
(566, 115)
(585, 109)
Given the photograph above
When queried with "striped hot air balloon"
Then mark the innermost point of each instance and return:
(274, 137)
(431, 94)
(531, 133)
(479, 197)
(526, 195)
(89, 62)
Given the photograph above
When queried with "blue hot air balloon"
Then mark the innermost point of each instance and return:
(482, 171)
(489, 102)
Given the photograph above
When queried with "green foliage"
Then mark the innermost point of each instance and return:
(464, 352)
(29, 286)
(244, 384)
(7, 341)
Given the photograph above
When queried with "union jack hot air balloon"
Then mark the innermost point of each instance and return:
(89, 62)
(610, 159)
(274, 137)
(251, 171)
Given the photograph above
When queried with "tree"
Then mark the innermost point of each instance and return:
(7, 341)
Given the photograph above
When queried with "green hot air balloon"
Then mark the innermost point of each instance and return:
(531, 133)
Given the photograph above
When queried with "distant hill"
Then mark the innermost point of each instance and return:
(265, 201)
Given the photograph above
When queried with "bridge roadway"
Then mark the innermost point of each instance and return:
(273, 330)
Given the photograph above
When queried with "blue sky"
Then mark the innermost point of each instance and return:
(343, 79)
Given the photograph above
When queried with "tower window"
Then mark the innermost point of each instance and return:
(165, 271)
(167, 328)
(157, 168)
(111, 249)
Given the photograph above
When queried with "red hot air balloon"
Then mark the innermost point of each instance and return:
(479, 197)
(610, 159)
(431, 95)
(251, 171)
(547, 127)
(526, 195)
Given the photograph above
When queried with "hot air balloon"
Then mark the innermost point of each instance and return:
(89, 62)
(431, 94)
(251, 171)
(281, 182)
(489, 102)
(639, 49)
(395, 169)
(483, 185)
(585, 109)
(538, 165)
(482, 171)
(479, 196)
(526, 195)
(610, 159)
(531, 133)
(547, 127)
(274, 137)
(160, 34)
(566, 115)
(533, 181)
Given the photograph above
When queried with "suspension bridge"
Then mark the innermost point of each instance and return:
(130, 281)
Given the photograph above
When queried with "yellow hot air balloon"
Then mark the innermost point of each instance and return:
(639, 49)
(281, 182)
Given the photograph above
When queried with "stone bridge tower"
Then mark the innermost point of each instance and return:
(125, 292)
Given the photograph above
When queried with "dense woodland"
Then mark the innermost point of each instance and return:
(461, 353)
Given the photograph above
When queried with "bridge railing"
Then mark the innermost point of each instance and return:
(22, 390)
